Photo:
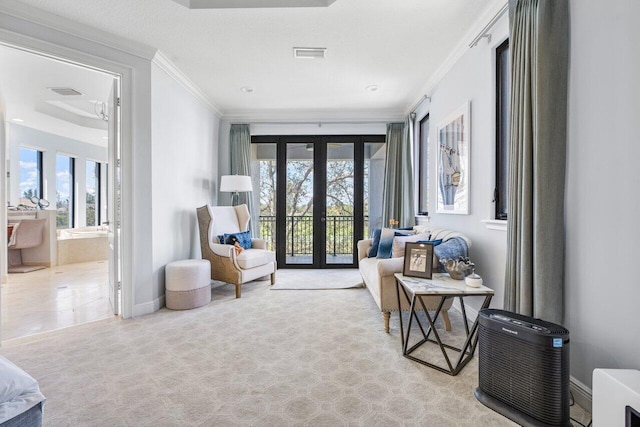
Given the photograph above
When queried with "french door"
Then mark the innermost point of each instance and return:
(317, 186)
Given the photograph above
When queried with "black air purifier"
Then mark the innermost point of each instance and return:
(523, 368)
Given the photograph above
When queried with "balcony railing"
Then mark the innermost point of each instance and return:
(339, 239)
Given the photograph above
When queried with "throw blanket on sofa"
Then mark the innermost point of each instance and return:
(451, 249)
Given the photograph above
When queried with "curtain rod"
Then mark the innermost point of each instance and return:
(419, 103)
(483, 32)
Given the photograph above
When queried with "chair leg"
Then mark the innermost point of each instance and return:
(445, 318)
(238, 290)
(386, 316)
(273, 278)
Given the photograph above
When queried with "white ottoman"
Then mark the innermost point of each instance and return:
(187, 284)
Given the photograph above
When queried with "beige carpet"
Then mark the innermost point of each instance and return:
(338, 278)
(267, 359)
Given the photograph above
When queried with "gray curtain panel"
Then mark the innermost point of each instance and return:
(539, 40)
(397, 196)
(240, 148)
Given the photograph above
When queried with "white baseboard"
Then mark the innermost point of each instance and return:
(581, 393)
(148, 307)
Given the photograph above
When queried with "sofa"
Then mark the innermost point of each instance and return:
(378, 273)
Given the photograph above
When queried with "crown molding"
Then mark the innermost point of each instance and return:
(455, 55)
(165, 64)
(333, 116)
(58, 23)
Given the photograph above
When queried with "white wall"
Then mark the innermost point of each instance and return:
(51, 145)
(602, 296)
(472, 78)
(184, 165)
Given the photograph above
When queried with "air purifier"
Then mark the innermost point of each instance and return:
(523, 368)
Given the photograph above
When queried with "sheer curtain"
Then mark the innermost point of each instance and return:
(240, 148)
(397, 196)
(539, 36)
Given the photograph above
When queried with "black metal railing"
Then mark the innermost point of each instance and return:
(299, 234)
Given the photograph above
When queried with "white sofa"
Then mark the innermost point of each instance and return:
(378, 278)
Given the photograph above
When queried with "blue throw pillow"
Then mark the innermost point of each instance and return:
(244, 238)
(385, 248)
(451, 249)
(431, 242)
(373, 252)
(375, 244)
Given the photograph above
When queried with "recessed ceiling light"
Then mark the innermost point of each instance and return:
(372, 88)
(246, 89)
(18, 120)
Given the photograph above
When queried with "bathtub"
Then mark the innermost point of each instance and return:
(82, 245)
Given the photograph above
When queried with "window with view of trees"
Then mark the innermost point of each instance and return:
(92, 193)
(503, 93)
(30, 173)
(64, 191)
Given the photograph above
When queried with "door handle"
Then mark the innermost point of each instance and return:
(323, 219)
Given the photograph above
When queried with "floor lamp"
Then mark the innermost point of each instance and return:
(235, 184)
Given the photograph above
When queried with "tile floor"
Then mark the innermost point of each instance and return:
(54, 298)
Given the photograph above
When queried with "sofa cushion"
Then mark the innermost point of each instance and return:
(251, 258)
(399, 243)
(450, 249)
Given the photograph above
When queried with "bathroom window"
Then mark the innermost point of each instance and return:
(92, 193)
(30, 173)
(65, 191)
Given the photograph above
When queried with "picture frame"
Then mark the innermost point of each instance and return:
(418, 260)
(454, 144)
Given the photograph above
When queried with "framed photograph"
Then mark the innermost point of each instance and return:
(453, 162)
(418, 260)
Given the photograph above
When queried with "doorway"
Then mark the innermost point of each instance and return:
(315, 195)
(67, 116)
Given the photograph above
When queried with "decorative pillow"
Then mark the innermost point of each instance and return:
(431, 242)
(450, 249)
(385, 248)
(399, 243)
(244, 238)
(375, 235)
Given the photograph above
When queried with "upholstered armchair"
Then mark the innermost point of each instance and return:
(226, 265)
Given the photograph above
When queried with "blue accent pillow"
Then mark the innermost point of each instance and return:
(244, 238)
(431, 242)
(385, 248)
(375, 244)
(451, 249)
(373, 251)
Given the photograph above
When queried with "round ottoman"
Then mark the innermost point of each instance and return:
(188, 284)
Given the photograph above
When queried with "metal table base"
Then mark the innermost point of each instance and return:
(467, 350)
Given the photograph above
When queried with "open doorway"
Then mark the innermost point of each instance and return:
(60, 262)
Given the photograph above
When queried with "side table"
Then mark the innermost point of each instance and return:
(414, 290)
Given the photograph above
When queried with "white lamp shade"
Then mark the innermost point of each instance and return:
(233, 183)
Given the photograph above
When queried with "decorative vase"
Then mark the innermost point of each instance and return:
(458, 269)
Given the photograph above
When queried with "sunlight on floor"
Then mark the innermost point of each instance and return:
(55, 298)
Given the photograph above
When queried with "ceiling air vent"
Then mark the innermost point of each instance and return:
(65, 91)
(309, 52)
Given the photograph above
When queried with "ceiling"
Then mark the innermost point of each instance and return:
(397, 45)
(25, 80)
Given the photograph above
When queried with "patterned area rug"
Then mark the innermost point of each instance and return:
(318, 279)
(266, 359)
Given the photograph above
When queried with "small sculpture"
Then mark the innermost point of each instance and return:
(458, 269)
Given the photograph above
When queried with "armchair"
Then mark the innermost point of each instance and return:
(226, 265)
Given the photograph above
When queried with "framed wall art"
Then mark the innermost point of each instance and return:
(453, 162)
